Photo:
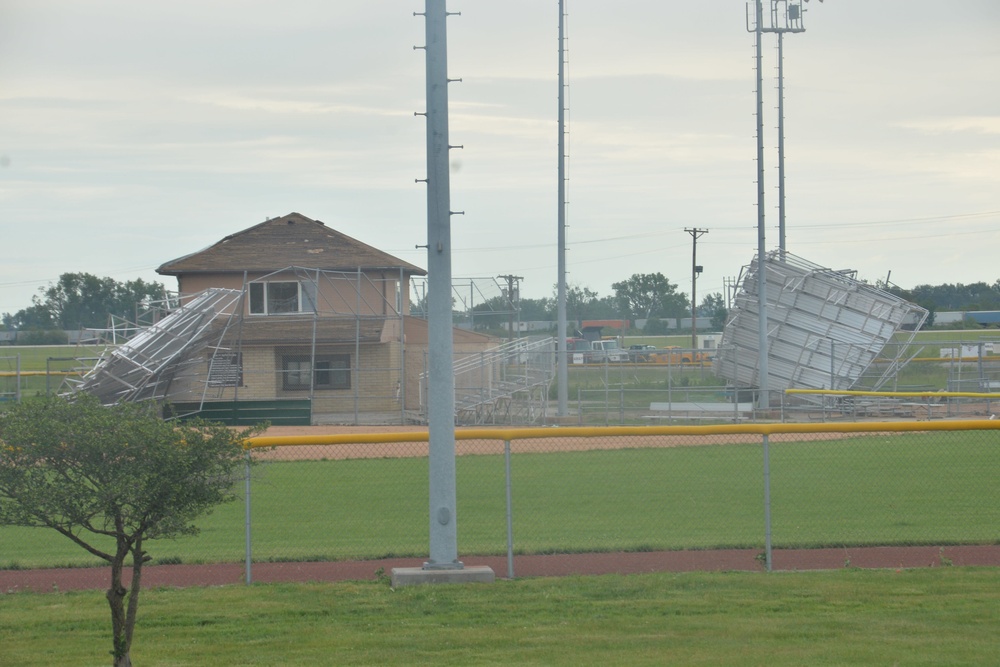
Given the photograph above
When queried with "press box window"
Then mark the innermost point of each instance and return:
(272, 298)
(332, 372)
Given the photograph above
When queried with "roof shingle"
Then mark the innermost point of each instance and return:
(291, 240)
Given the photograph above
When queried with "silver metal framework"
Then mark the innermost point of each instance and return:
(159, 358)
(506, 384)
(825, 327)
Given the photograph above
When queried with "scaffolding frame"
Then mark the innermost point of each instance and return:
(194, 351)
(152, 359)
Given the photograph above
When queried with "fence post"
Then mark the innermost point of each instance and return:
(621, 402)
(246, 494)
(670, 388)
(510, 512)
(607, 396)
(579, 406)
(767, 503)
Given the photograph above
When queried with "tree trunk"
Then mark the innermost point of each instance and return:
(116, 599)
(138, 558)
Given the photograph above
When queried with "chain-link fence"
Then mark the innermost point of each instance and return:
(37, 374)
(954, 381)
(10, 378)
(642, 489)
(575, 490)
(624, 404)
(515, 383)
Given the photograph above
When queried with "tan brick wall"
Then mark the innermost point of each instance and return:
(338, 293)
(374, 379)
(376, 385)
(259, 371)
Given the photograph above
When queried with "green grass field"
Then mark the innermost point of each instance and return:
(36, 359)
(936, 488)
(926, 617)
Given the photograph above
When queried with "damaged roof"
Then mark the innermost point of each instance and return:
(291, 240)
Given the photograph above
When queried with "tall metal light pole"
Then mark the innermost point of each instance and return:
(695, 270)
(562, 360)
(786, 16)
(781, 145)
(441, 377)
(763, 401)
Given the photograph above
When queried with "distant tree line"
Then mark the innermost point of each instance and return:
(648, 297)
(975, 296)
(82, 300)
(653, 298)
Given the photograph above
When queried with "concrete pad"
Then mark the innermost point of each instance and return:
(412, 576)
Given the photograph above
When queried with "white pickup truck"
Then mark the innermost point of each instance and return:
(606, 350)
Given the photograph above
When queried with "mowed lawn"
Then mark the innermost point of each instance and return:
(57, 359)
(934, 488)
(932, 616)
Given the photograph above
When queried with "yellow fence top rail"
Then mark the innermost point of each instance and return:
(897, 394)
(14, 374)
(606, 431)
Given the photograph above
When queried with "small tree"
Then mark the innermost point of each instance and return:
(714, 306)
(646, 295)
(110, 478)
(79, 300)
(655, 327)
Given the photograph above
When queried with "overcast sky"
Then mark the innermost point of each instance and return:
(132, 133)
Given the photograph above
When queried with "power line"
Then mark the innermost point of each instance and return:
(741, 227)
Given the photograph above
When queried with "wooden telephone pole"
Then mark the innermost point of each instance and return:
(695, 270)
(513, 301)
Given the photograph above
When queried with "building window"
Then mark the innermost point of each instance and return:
(331, 372)
(275, 298)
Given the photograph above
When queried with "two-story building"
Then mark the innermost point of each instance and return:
(321, 316)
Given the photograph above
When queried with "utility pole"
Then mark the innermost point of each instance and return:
(729, 285)
(695, 270)
(513, 300)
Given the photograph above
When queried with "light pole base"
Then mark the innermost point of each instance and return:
(412, 576)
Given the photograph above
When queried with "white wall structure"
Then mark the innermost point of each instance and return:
(825, 328)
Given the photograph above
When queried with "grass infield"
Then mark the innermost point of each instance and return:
(910, 489)
(933, 616)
